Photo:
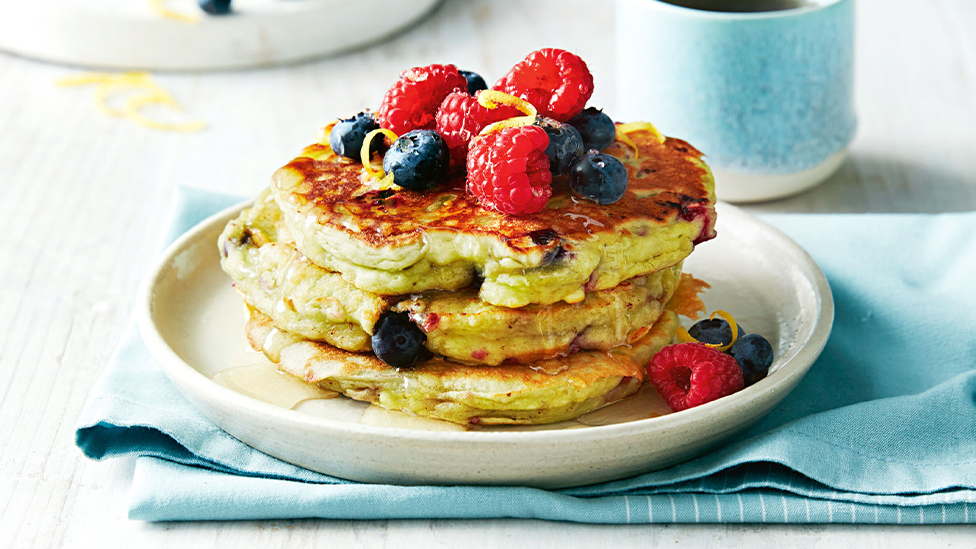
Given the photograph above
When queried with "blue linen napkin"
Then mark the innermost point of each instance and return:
(881, 430)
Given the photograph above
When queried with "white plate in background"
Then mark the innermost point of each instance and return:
(128, 34)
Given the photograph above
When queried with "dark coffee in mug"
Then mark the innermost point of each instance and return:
(740, 5)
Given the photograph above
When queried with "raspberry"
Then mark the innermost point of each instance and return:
(556, 81)
(411, 103)
(508, 170)
(689, 374)
(460, 118)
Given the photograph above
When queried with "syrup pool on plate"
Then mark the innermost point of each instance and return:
(263, 381)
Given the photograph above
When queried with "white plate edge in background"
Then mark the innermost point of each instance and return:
(256, 35)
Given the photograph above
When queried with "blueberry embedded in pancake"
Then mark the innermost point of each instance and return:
(407, 242)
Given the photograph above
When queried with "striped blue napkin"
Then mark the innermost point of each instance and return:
(882, 429)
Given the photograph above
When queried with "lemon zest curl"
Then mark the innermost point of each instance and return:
(385, 179)
(108, 84)
(159, 6)
(685, 337)
(492, 99)
(624, 129)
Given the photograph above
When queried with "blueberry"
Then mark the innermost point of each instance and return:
(565, 144)
(713, 331)
(348, 134)
(215, 7)
(418, 160)
(596, 129)
(397, 341)
(475, 81)
(598, 177)
(754, 355)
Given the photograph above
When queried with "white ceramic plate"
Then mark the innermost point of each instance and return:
(128, 34)
(192, 321)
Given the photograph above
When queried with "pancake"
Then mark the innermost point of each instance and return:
(545, 392)
(462, 327)
(316, 304)
(394, 243)
(276, 278)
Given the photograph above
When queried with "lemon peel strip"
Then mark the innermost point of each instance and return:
(624, 129)
(133, 104)
(110, 83)
(364, 155)
(108, 87)
(492, 99)
(159, 6)
(685, 337)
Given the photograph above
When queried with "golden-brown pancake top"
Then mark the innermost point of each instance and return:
(667, 181)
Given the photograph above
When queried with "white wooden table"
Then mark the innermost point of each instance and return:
(83, 199)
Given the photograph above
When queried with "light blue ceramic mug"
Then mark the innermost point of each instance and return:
(765, 88)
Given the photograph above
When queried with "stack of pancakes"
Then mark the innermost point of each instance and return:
(530, 319)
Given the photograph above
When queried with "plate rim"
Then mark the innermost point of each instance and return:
(179, 371)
